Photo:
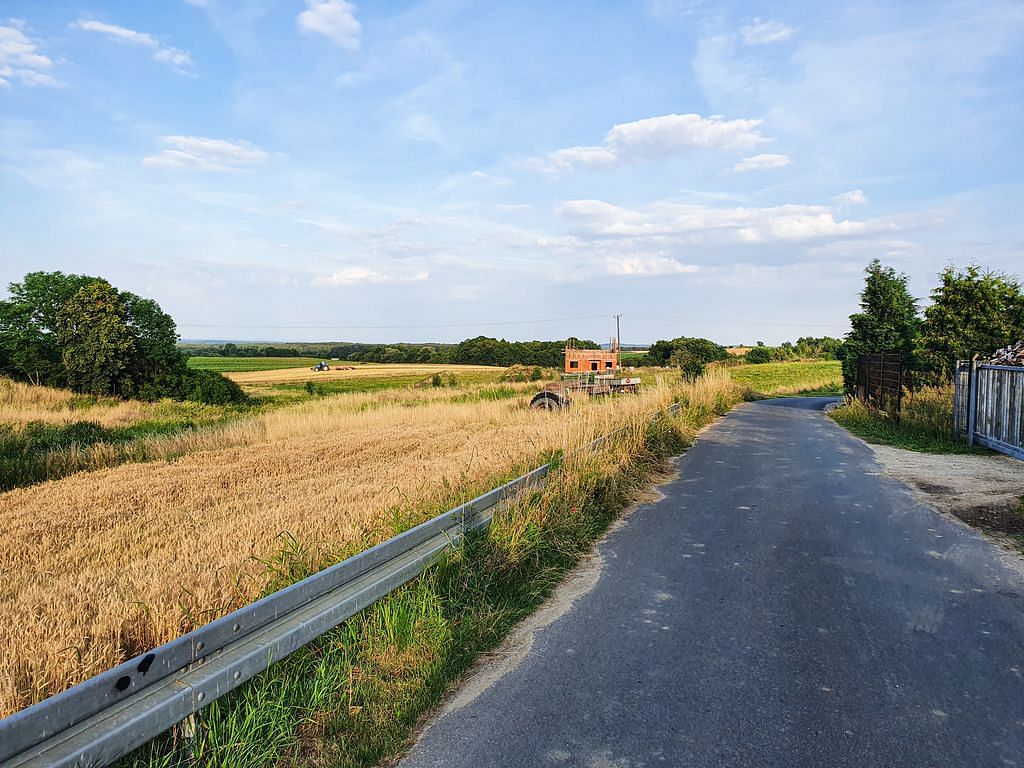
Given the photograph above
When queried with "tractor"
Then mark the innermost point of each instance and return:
(323, 365)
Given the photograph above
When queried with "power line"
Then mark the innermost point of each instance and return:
(679, 320)
(395, 327)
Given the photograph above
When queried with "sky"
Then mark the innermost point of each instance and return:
(295, 170)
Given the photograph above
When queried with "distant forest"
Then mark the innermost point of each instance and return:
(481, 350)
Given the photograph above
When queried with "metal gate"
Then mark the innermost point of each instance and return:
(880, 381)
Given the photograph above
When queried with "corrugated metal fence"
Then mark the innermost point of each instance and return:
(988, 406)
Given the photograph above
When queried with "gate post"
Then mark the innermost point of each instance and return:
(972, 397)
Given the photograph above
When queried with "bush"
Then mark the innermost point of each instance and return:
(435, 380)
(212, 388)
(759, 355)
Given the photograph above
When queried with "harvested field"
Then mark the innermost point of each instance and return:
(362, 371)
(100, 566)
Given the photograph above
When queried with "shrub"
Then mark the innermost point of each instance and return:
(759, 355)
(212, 388)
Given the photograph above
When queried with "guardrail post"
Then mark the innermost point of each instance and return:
(972, 397)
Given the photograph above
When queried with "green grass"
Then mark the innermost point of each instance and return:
(39, 451)
(352, 697)
(453, 378)
(246, 364)
(803, 378)
(925, 423)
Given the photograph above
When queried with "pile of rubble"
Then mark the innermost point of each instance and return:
(1011, 355)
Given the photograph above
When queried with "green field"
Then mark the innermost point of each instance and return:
(809, 378)
(245, 364)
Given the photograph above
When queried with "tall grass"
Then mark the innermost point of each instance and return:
(100, 566)
(925, 422)
(351, 698)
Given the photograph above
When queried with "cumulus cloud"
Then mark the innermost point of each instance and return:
(335, 20)
(736, 224)
(853, 197)
(20, 59)
(762, 32)
(205, 154)
(175, 58)
(655, 138)
(357, 275)
(762, 163)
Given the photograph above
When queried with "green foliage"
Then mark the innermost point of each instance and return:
(435, 380)
(690, 355)
(759, 355)
(973, 311)
(80, 332)
(95, 342)
(887, 322)
(211, 388)
(29, 350)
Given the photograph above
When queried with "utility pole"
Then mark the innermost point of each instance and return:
(618, 344)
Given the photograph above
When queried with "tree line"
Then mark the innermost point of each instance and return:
(480, 350)
(81, 333)
(971, 311)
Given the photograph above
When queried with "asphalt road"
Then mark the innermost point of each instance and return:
(783, 605)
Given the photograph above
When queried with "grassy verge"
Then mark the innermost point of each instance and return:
(813, 378)
(352, 697)
(925, 423)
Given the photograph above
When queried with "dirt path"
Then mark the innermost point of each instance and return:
(985, 491)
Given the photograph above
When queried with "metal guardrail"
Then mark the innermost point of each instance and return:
(106, 717)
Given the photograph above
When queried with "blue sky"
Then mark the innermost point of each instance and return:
(319, 169)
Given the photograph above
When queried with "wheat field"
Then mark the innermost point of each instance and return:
(361, 371)
(100, 566)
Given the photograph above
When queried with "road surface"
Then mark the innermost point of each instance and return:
(783, 605)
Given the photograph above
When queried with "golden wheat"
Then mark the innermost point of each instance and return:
(99, 566)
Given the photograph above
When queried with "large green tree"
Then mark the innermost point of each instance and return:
(887, 321)
(973, 311)
(29, 348)
(79, 331)
(96, 345)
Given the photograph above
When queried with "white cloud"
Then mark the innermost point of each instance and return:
(174, 58)
(853, 197)
(762, 32)
(205, 154)
(654, 138)
(20, 60)
(364, 275)
(197, 3)
(335, 20)
(648, 265)
(739, 224)
(474, 180)
(762, 163)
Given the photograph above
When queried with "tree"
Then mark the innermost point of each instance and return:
(759, 355)
(973, 311)
(887, 322)
(96, 344)
(690, 355)
(29, 348)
